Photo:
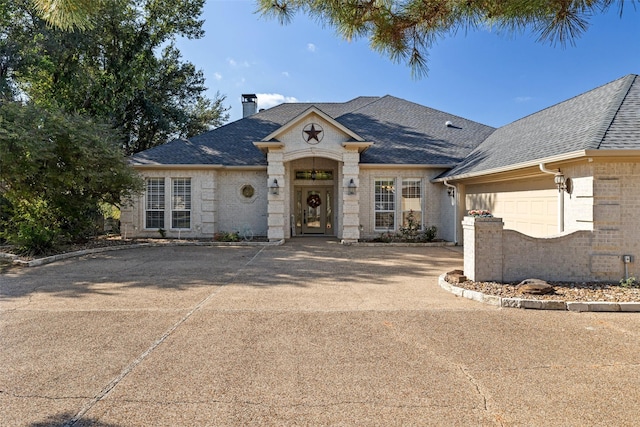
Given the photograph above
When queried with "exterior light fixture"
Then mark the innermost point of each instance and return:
(274, 188)
(451, 191)
(352, 187)
(563, 183)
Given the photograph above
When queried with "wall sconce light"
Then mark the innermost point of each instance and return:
(563, 183)
(274, 188)
(352, 187)
(451, 191)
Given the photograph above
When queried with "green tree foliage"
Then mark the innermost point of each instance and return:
(124, 70)
(55, 171)
(406, 29)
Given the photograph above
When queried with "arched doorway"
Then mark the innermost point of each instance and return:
(313, 204)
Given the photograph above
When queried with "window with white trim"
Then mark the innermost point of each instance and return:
(154, 212)
(181, 203)
(412, 201)
(385, 204)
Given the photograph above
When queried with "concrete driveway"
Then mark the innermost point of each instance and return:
(308, 333)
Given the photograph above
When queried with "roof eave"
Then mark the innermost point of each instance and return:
(265, 146)
(552, 159)
(361, 146)
(404, 166)
(175, 166)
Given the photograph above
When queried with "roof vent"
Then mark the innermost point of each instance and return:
(448, 123)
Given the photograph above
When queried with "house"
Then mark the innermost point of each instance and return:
(349, 170)
(356, 169)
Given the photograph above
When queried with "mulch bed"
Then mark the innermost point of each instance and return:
(575, 291)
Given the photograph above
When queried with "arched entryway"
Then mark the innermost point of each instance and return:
(313, 198)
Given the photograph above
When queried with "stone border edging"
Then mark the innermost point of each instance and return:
(54, 258)
(535, 304)
(401, 244)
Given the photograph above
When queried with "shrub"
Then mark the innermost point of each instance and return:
(34, 228)
(226, 237)
(410, 228)
(630, 282)
(429, 234)
(56, 170)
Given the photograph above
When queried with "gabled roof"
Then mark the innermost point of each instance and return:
(401, 132)
(605, 118)
(310, 112)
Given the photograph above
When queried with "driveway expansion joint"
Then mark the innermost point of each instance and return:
(475, 384)
(536, 304)
(157, 343)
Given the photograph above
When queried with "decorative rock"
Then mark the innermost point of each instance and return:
(456, 276)
(535, 287)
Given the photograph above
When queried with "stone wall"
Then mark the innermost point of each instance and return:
(492, 253)
(217, 204)
(433, 201)
(601, 218)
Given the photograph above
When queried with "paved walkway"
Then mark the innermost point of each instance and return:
(308, 333)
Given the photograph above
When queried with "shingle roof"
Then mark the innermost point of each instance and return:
(607, 117)
(402, 133)
(408, 133)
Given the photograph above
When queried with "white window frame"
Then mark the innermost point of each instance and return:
(384, 202)
(180, 203)
(416, 183)
(155, 201)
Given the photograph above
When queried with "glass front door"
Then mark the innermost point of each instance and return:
(314, 213)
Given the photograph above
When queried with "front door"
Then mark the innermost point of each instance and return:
(314, 213)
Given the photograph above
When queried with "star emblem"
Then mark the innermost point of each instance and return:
(313, 132)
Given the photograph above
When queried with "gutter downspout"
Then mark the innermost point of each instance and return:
(560, 198)
(454, 202)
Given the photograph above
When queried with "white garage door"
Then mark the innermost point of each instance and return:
(531, 212)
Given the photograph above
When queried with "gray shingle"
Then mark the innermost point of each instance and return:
(624, 132)
(402, 133)
(605, 117)
(408, 133)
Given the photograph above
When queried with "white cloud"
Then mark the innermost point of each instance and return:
(520, 99)
(232, 62)
(268, 100)
(285, 73)
(311, 47)
(217, 76)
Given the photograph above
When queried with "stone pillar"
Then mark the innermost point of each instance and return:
(483, 248)
(350, 202)
(275, 209)
(461, 211)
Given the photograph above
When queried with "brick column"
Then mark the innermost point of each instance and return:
(350, 203)
(483, 248)
(275, 208)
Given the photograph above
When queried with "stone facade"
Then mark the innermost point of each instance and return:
(217, 204)
(603, 205)
(436, 207)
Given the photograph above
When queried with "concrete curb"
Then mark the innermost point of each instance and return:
(54, 258)
(535, 304)
(401, 244)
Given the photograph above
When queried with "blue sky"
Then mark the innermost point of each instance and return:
(484, 76)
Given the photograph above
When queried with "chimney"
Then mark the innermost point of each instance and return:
(249, 104)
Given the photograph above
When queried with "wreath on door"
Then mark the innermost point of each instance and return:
(314, 200)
